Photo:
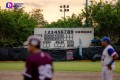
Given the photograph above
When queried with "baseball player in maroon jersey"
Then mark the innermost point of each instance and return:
(38, 65)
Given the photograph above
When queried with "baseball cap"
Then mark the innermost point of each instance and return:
(105, 39)
(32, 40)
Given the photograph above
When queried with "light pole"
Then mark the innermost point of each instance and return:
(86, 13)
(64, 8)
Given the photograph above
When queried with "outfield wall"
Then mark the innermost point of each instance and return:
(16, 54)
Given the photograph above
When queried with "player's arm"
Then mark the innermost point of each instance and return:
(28, 70)
(114, 56)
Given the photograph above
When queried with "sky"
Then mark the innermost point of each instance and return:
(51, 8)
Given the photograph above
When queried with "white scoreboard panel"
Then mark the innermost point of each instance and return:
(64, 37)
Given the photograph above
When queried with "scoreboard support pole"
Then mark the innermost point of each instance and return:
(80, 48)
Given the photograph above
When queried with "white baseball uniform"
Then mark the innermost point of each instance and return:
(107, 56)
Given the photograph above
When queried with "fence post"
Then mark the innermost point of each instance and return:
(80, 48)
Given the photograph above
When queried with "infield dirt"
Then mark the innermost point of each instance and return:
(17, 75)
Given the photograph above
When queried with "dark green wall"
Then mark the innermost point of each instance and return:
(15, 54)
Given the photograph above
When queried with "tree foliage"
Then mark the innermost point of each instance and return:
(68, 22)
(15, 27)
(38, 16)
(105, 18)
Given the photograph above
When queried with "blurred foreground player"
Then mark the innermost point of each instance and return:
(109, 56)
(38, 64)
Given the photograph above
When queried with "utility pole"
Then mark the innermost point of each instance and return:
(64, 8)
(86, 13)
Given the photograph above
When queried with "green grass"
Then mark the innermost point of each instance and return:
(11, 65)
(62, 66)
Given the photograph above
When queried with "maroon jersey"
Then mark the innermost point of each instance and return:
(39, 67)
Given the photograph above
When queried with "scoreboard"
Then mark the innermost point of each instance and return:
(64, 37)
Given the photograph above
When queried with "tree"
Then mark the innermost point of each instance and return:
(105, 18)
(68, 22)
(15, 27)
(37, 14)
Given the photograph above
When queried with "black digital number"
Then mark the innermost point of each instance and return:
(70, 43)
(72, 31)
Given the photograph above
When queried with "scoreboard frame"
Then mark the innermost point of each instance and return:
(64, 38)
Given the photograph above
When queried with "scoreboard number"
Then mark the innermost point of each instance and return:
(59, 37)
(70, 43)
(64, 38)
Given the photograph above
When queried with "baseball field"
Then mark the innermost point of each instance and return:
(70, 70)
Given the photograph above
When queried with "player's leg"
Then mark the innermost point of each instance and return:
(108, 74)
(103, 73)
